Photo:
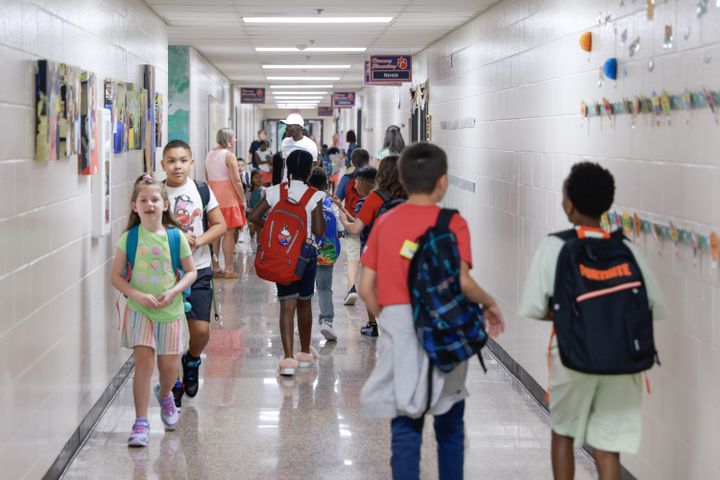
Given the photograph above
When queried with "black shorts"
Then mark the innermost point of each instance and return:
(302, 289)
(201, 295)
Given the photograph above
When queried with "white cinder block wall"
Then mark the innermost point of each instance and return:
(59, 343)
(518, 70)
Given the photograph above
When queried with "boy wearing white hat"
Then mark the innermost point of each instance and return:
(296, 140)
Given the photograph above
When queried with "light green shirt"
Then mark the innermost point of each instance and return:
(153, 272)
(540, 281)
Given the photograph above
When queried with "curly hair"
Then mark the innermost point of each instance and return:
(590, 188)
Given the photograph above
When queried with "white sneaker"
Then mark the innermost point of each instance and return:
(327, 331)
(351, 296)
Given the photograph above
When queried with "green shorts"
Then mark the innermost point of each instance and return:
(603, 411)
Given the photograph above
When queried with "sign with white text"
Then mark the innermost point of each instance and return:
(390, 68)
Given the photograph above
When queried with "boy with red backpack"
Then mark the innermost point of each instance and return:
(287, 256)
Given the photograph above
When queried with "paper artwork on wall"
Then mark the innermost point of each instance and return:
(117, 104)
(149, 110)
(135, 117)
(159, 119)
(69, 126)
(47, 110)
(88, 160)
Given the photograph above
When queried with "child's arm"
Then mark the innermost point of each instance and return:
(367, 290)
(216, 228)
(117, 278)
(475, 293)
(352, 225)
(318, 221)
(258, 211)
(188, 278)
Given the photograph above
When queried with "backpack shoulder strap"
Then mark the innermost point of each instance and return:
(204, 191)
(565, 235)
(384, 194)
(284, 188)
(307, 196)
(444, 218)
(173, 235)
(618, 235)
(131, 245)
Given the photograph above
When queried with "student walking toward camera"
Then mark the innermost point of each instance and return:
(149, 256)
(404, 385)
(600, 283)
(194, 206)
(287, 256)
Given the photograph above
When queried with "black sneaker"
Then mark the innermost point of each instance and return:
(177, 392)
(369, 330)
(191, 375)
(351, 296)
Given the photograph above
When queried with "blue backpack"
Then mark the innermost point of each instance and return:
(450, 328)
(329, 243)
(173, 235)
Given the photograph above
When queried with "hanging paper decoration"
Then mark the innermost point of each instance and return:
(711, 103)
(634, 47)
(610, 68)
(668, 41)
(637, 224)
(650, 10)
(701, 8)
(623, 37)
(665, 105)
(627, 224)
(586, 41)
(715, 248)
(687, 103)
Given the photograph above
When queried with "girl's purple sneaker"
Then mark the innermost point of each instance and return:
(139, 434)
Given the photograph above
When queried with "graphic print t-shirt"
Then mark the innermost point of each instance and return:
(153, 272)
(186, 205)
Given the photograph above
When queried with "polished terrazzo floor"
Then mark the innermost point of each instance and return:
(246, 423)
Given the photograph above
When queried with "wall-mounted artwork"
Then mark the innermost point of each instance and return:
(135, 116)
(88, 160)
(120, 117)
(178, 93)
(150, 126)
(159, 119)
(101, 198)
(69, 122)
(48, 112)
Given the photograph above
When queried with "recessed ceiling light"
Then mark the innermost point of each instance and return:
(310, 49)
(318, 19)
(285, 92)
(329, 79)
(300, 86)
(303, 67)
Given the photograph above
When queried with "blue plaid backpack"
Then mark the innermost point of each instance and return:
(450, 328)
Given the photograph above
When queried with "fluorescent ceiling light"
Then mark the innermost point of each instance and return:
(329, 79)
(300, 86)
(303, 67)
(310, 49)
(284, 97)
(317, 19)
(285, 92)
(298, 106)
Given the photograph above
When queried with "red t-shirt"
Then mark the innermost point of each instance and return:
(369, 209)
(352, 197)
(382, 252)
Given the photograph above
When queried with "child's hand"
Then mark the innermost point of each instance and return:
(191, 240)
(166, 298)
(336, 200)
(495, 322)
(146, 300)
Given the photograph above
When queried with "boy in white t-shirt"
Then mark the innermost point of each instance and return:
(196, 209)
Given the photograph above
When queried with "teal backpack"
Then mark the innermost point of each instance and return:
(173, 235)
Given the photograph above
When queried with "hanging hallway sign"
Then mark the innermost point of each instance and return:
(325, 111)
(343, 99)
(367, 82)
(390, 68)
(252, 95)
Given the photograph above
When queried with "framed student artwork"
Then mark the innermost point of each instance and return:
(120, 118)
(88, 159)
(47, 110)
(135, 117)
(69, 121)
(101, 198)
(159, 119)
(150, 136)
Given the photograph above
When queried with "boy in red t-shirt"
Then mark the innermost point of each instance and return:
(397, 388)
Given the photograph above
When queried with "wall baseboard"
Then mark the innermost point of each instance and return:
(81, 434)
(534, 388)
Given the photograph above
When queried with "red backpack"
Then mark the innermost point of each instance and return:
(279, 257)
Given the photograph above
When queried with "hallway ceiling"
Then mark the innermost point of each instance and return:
(216, 29)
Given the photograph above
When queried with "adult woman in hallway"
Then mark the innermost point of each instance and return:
(223, 176)
(351, 140)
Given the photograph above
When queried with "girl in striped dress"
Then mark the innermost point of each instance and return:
(154, 320)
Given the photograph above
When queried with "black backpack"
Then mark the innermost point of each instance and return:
(388, 204)
(602, 317)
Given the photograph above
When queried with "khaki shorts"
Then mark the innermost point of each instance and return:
(602, 410)
(352, 247)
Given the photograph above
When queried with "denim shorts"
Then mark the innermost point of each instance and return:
(201, 295)
(302, 289)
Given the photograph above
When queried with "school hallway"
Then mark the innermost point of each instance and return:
(249, 423)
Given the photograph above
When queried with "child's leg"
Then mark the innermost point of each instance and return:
(228, 249)
(352, 270)
(144, 365)
(406, 443)
(563, 457)
(324, 287)
(304, 313)
(199, 336)
(168, 370)
(608, 464)
(450, 435)
(216, 250)
(287, 321)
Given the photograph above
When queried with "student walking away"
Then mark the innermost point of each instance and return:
(257, 193)
(346, 191)
(197, 210)
(255, 146)
(148, 267)
(364, 184)
(264, 159)
(278, 168)
(287, 256)
(599, 282)
(244, 175)
(328, 253)
(296, 139)
(407, 382)
(393, 143)
(351, 146)
(223, 176)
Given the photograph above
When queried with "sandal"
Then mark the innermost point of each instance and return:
(218, 274)
(231, 276)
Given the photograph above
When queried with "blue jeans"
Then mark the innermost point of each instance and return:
(323, 281)
(450, 436)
